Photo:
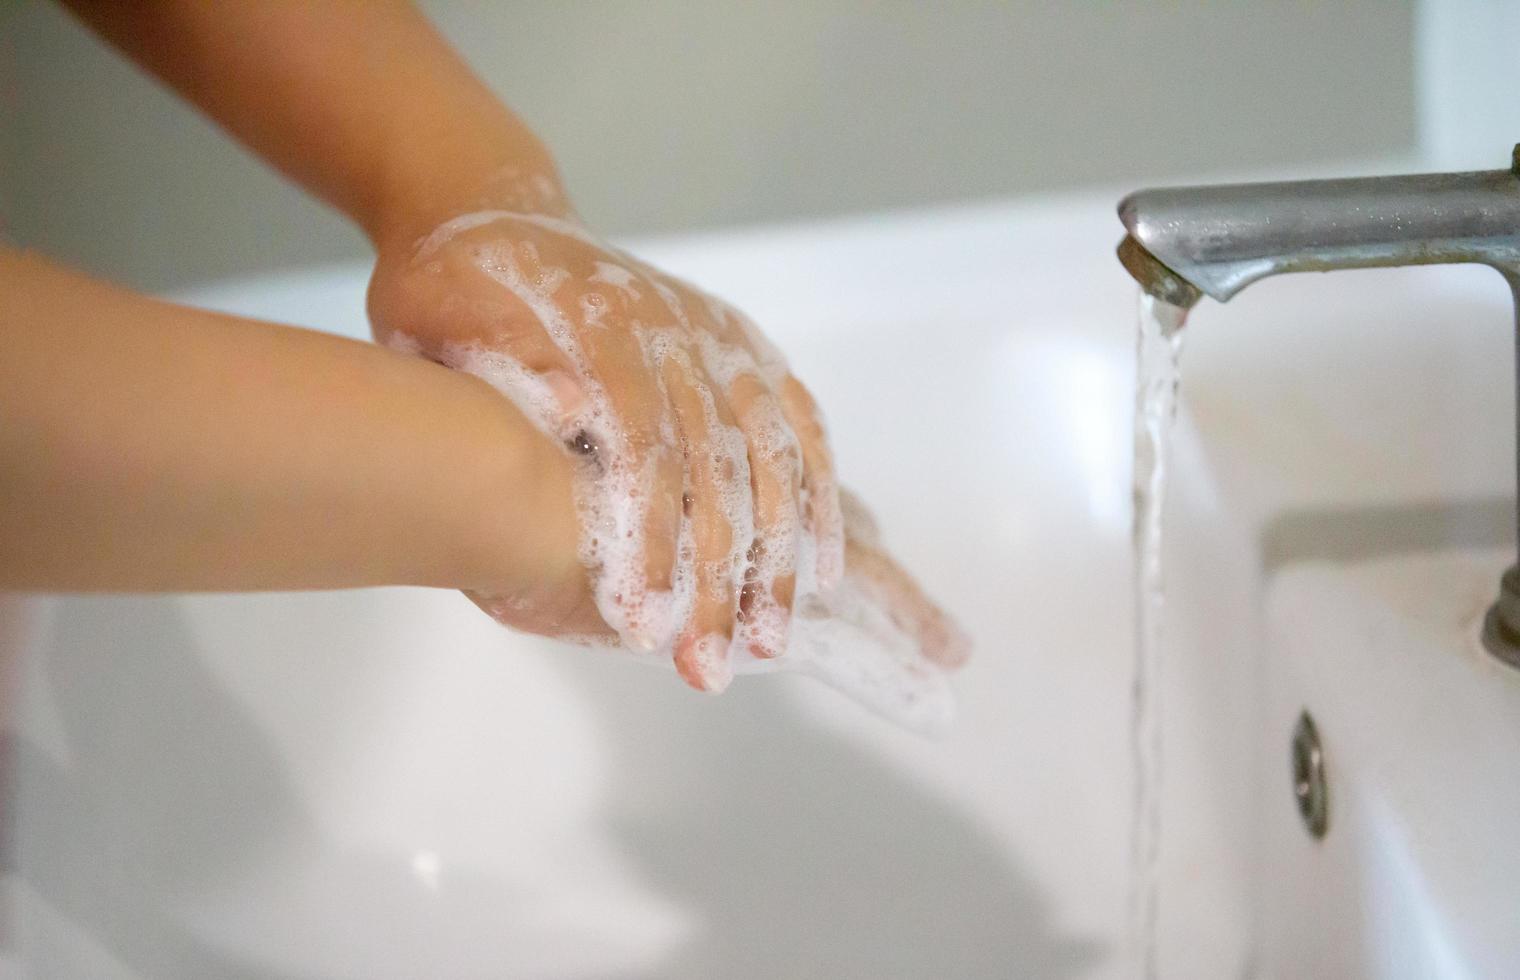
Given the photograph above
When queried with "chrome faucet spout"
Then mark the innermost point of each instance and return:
(1221, 239)
(1183, 243)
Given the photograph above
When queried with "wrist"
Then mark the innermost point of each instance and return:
(416, 199)
(519, 530)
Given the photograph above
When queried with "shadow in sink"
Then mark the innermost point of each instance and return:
(1381, 530)
(133, 823)
(162, 834)
(155, 807)
(802, 855)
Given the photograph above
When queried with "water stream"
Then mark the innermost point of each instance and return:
(1159, 349)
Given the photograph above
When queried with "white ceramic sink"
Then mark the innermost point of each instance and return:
(1345, 507)
(386, 784)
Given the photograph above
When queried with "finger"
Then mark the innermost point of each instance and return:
(768, 581)
(939, 639)
(820, 496)
(631, 504)
(821, 501)
(859, 523)
(775, 469)
(643, 470)
(717, 499)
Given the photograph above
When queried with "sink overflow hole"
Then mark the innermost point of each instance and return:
(1309, 789)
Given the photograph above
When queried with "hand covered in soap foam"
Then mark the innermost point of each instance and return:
(706, 496)
(884, 583)
(706, 487)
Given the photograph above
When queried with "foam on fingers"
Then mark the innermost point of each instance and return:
(617, 488)
(718, 518)
(820, 489)
(710, 518)
(770, 575)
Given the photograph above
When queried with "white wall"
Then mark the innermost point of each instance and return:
(670, 114)
(1466, 105)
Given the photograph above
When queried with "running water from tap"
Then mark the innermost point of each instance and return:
(1157, 378)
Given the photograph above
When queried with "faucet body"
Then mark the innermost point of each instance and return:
(1189, 242)
(1221, 239)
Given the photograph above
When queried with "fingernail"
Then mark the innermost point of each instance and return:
(704, 664)
(946, 643)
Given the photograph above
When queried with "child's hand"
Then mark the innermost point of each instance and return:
(892, 590)
(705, 505)
(671, 401)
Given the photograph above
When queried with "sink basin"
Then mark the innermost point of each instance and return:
(383, 783)
(1345, 506)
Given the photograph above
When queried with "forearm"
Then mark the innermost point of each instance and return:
(359, 101)
(146, 446)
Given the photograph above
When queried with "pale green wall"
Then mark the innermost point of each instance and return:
(670, 114)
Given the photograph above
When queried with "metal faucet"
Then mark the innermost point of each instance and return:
(1185, 243)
